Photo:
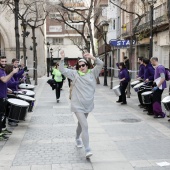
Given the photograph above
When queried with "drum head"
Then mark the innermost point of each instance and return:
(116, 87)
(28, 98)
(138, 85)
(166, 99)
(18, 102)
(26, 86)
(28, 92)
(146, 93)
(135, 82)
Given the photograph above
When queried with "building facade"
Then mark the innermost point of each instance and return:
(8, 45)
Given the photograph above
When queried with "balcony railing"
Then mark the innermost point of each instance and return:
(160, 17)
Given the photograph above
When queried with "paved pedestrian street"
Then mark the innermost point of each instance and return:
(121, 137)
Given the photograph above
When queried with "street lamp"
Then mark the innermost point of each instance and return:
(105, 26)
(112, 66)
(48, 56)
(88, 41)
(151, 3)
(51, 51)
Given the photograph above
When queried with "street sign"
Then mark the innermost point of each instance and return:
(121, 43)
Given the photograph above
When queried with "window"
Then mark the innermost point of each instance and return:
(57, 41)
(55, 16)
(77, 26)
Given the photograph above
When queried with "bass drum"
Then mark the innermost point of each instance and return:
(28, 99)
(137, 87)
(116, 89)
(27, 86)
(166, 103)
(134, 83)
(147, 97)
(27, 93)
(17, 109)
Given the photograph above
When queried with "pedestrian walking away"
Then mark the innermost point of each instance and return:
(160, 85)
(82, 96)
(57, 76)
(124, 79)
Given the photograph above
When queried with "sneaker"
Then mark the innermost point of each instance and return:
(12, 124)
(6, 131)
(79, 143)
(3, 137)
(88, 155)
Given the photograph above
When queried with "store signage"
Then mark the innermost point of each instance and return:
(121, 43)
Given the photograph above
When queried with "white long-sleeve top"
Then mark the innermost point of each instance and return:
(82, 96)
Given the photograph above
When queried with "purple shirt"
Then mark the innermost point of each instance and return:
(124, 74)
(3, 86)
(158, 70)
(149, 72)
(12, 84)
(141, 71)
(18, 75)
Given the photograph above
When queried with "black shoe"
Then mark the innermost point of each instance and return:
(3, 137)
(12, 124)
(150, 113)
(142, 106)
(58, 100)
(159, 116)
(145, 110)
(118, 101)
(123, 103)
(168, 120)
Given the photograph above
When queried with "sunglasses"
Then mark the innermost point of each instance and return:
(83, 65)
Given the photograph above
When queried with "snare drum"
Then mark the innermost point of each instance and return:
(147, 97)
(27, 93)
(116, 89)
(18, 109)
(137, 87)
(166, 103)
(26, 86)
(28, 99)
(134, 83)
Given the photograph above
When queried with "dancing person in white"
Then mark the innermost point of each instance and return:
(82, 96)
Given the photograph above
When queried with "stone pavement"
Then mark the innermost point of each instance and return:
(121, 137)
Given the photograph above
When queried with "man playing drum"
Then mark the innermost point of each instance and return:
(140, 75)
(148, 79)
(160, 85)
(3, 95)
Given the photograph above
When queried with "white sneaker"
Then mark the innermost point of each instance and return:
(79, 143)
(88, 155)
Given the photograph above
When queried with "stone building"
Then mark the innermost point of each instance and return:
(8, 45)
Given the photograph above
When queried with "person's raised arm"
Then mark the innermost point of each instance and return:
(65, 71)
(5, 79)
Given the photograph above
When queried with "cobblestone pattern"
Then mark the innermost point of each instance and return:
(58, 153)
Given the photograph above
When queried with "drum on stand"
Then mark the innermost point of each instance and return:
(116, 89)
(137, 87)
(166, 103)
(28, 99)
(18, 109)
(27, 93)
(147, 97)
(27, 86)
(134, 83)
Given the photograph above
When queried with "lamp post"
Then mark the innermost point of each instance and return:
(88, 40)
(51, 52)
(24, 35)
(48, 56)
(105, 26)
(112, 65)
(151, 3)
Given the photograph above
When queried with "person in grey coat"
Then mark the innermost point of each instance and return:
(82, 96)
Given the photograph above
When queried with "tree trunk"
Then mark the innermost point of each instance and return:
(17, 30)
(24, 46)
(34, 56)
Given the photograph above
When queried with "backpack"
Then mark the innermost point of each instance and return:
(167, 74)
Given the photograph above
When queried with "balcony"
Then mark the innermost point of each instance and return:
(103, 3)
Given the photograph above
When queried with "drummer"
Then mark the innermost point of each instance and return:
(124, 80)
(13, 85)
(148, 79)
(3, 95)
(160, 85)
(140, 75)
(19, 75)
